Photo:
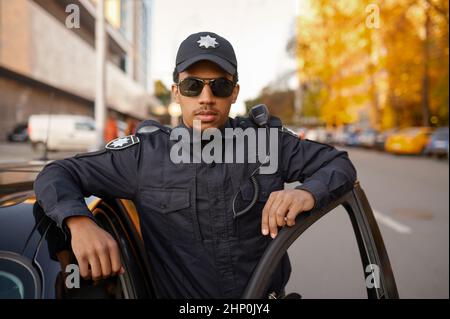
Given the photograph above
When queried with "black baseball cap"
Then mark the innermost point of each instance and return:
(206, 46)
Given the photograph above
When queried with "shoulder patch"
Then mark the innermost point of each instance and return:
(289, 131)
(122, 142)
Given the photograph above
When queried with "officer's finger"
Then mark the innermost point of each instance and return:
(116, 264)
(281, 211)
(265, 214)
(294, 210)
(273, 227)
(83, 264)
(265, 222)
(96, 269)
(105, 262)
(277, 209)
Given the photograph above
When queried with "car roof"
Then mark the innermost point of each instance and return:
(16, 179)
(18, 217)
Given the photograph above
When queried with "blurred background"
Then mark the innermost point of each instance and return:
(369, 77)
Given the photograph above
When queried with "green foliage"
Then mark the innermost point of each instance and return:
(162, 93)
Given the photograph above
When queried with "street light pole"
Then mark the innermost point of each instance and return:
(100, 74)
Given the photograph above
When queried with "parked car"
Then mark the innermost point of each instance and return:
(35, 253)
(318, 134)
(367, 138)
(412, 140)
(19, 133)
(380, 139)
(438, 144)
(340, 136)
(62, 132)
(353, 138)
(36, 256)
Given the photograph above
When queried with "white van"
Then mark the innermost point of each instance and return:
(62, 132)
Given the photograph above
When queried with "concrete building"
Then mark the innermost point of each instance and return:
(47, 61)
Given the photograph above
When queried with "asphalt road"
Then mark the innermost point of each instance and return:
(409, 196)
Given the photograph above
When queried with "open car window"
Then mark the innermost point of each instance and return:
(325, 260)
(18, 278)
(368, 237)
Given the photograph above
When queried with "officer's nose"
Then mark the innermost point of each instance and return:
(207, 96)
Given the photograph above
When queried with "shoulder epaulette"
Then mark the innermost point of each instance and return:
(122, 142)
(151, 126)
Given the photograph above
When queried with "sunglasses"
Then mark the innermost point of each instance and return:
(220, 87)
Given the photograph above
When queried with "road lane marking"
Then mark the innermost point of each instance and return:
(391, 223)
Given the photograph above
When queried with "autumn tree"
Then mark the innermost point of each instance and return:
(162, 92)
(379, 63)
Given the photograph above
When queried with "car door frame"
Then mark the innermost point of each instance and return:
(368, 236)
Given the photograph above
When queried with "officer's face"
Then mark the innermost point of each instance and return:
(211, 110)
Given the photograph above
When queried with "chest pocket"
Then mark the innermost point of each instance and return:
(169, 212)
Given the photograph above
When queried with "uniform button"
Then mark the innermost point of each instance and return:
(163, 205)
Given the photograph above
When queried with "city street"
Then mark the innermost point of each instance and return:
(409, 196)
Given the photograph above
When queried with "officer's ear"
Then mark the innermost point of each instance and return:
(175, 93)
(235, 94)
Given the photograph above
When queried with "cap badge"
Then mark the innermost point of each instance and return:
(207, 42)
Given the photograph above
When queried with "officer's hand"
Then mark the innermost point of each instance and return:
(94, 247)
(283, 207)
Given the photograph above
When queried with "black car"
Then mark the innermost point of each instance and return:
(36, 259)
(19, 133)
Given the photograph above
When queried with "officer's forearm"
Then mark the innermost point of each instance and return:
(331, 181)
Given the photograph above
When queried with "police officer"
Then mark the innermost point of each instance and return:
(196, 247)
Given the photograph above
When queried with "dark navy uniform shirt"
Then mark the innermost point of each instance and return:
(195, 246)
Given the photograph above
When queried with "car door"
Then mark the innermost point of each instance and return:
(369, 241)
(60, 273)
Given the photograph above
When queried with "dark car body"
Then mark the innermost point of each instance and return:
(439, 142)
(19, 133)
(36, 259)
(35, 253)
